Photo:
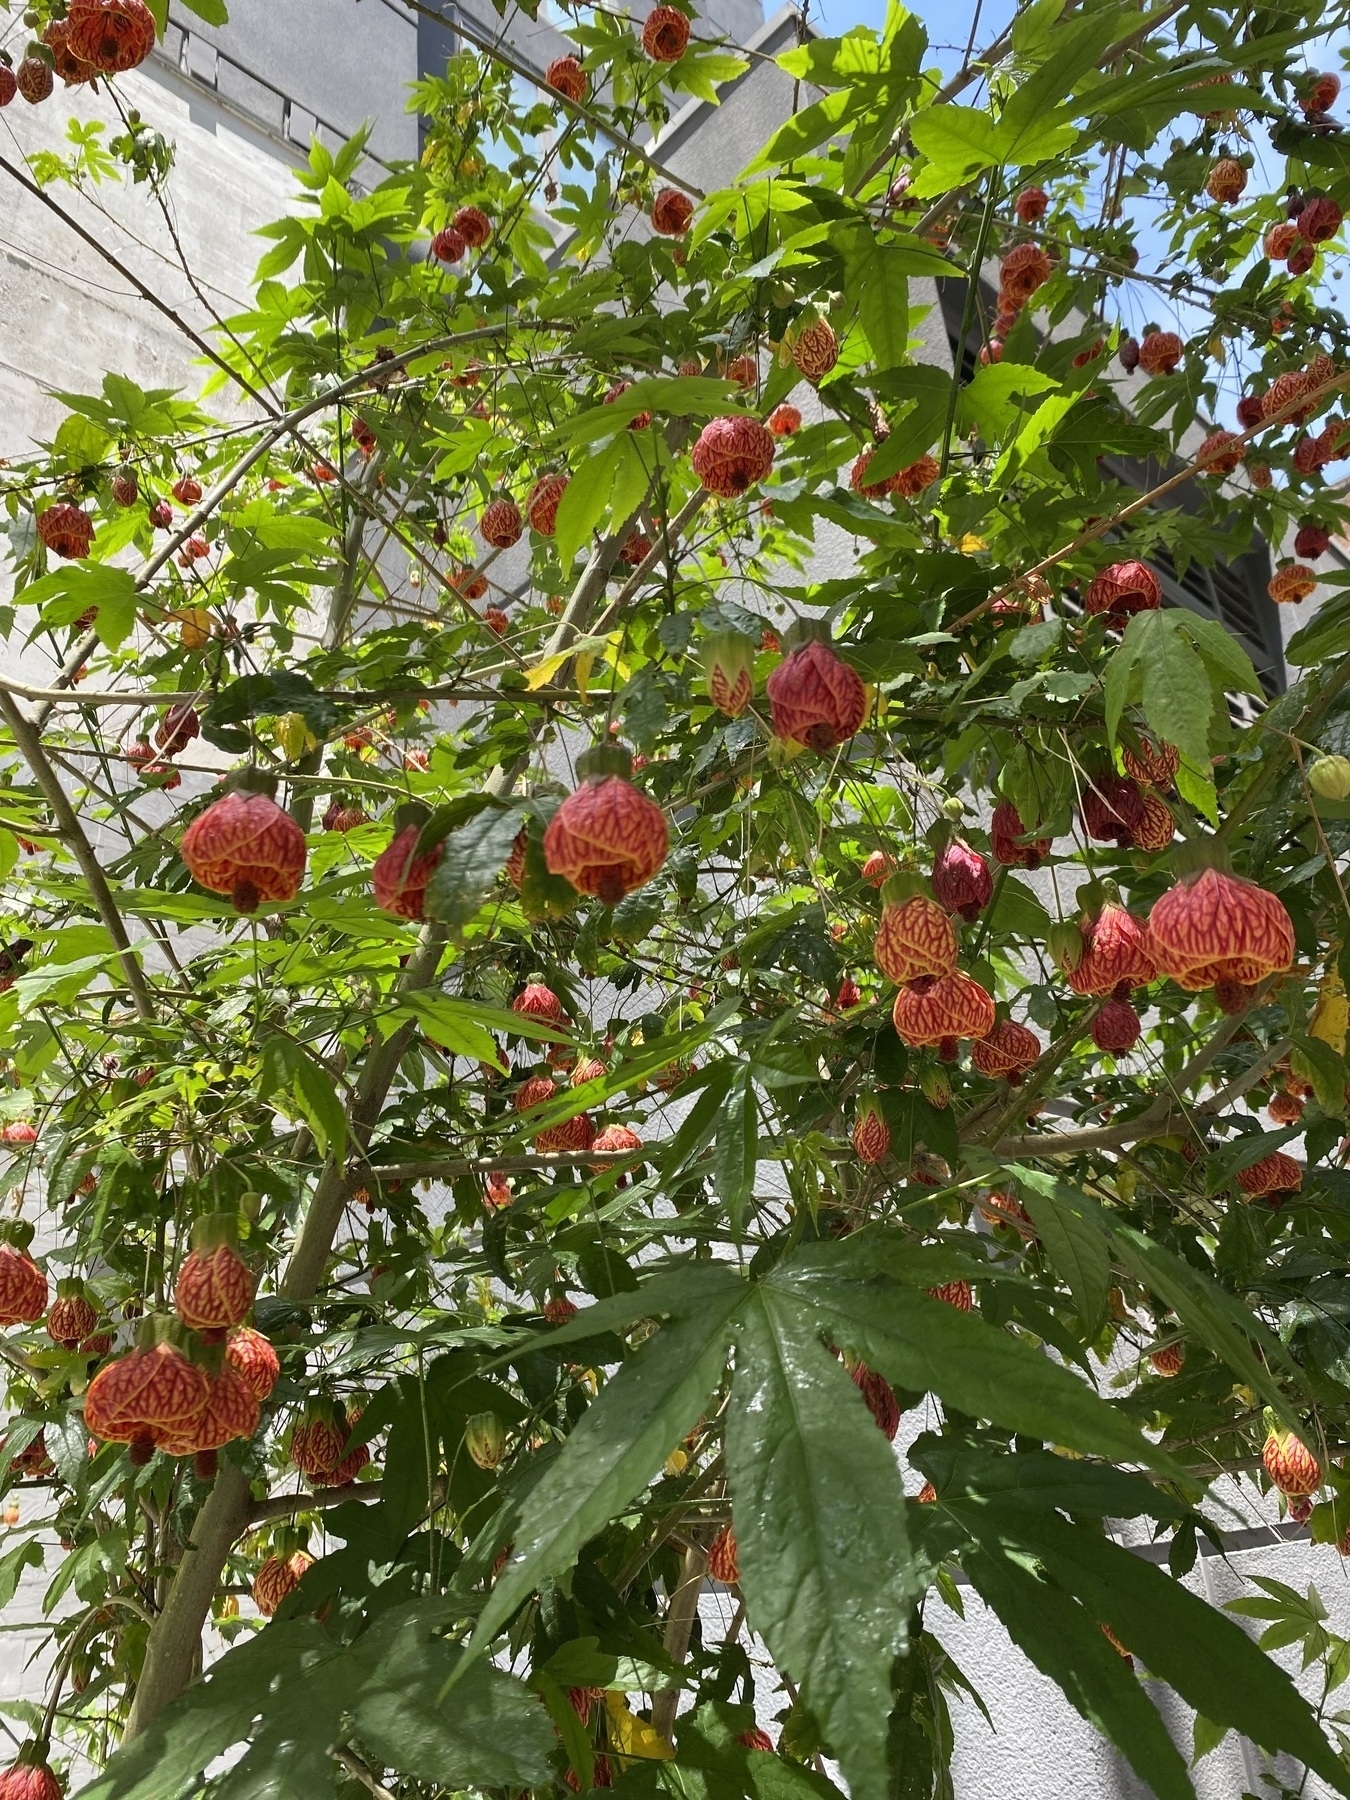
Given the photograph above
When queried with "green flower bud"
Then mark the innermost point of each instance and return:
(485, 1439)
(1329, 777)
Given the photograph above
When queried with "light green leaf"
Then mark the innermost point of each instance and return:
(321, 1105)
(819, 1517)
(68, 593)
(989, 401)
(883, 304)
(1175, 691)
(454, 1025)
(958, 141)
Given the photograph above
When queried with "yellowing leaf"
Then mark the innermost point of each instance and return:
(632, 1736)
(1331, 1015)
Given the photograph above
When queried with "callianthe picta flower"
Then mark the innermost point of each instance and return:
(473, 225)
(245, 845)
(948, 1009)
(1009, 1050)
(541, 507)
(670, 215)
(961, 879)
(151, 1394)
(958, 1293)
(1275, 1174)
(607, 838)
(1006, 832)
(1216, 926)
(214, 1289)
(723, 1564)
(1112, 807)
(1157, 823)
(1168, 1360)
(915, 938)
(501, 524)
(401, 872)
(113, 35)
(1290, 1464)
(318, 1441)
(871, 1133)
(665, 34)
(729, 663)
(1116, 951)
(1116, 1028)
(277, 1579)
(253, 1356)
(566, 76)
(66, 531)
(732, 454)
(30, 1776)
(1123, 589)
(815, 698)
(230, 1413)
(879, 868)
(23, 1286)
(880, 1398)
(1160, 352)
(1152, 764)
(73, 1316)
(815, 350)
(537, 1000)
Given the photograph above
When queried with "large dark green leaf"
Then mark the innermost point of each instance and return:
(620, 1443)
(1211, 1314)
(471, 860)
(1077, 1250)
(1039, 1478)
(1203, 1654)
(819, 1517)
(269, 1670)
(924, 1344)
(1068, 1645)
(493, 1733)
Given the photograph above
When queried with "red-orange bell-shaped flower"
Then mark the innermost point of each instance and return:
(1213, 926)
(915, 938)
(147, 1396)
(245, 846)
(215, 1285)
(606, 838)
(1116, 953)
(1005, 833)
(1273, 1174)
(23, 1286)
(400, 876)
(252, 1354)
(816, 699)
(952, 1007)
(1010, 1049)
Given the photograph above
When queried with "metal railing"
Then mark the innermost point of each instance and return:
(279, 127)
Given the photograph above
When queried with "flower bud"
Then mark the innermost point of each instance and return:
(485, 1439)
(729, 662)
(1329, 777)
(1064, 941)
(935, 1086)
